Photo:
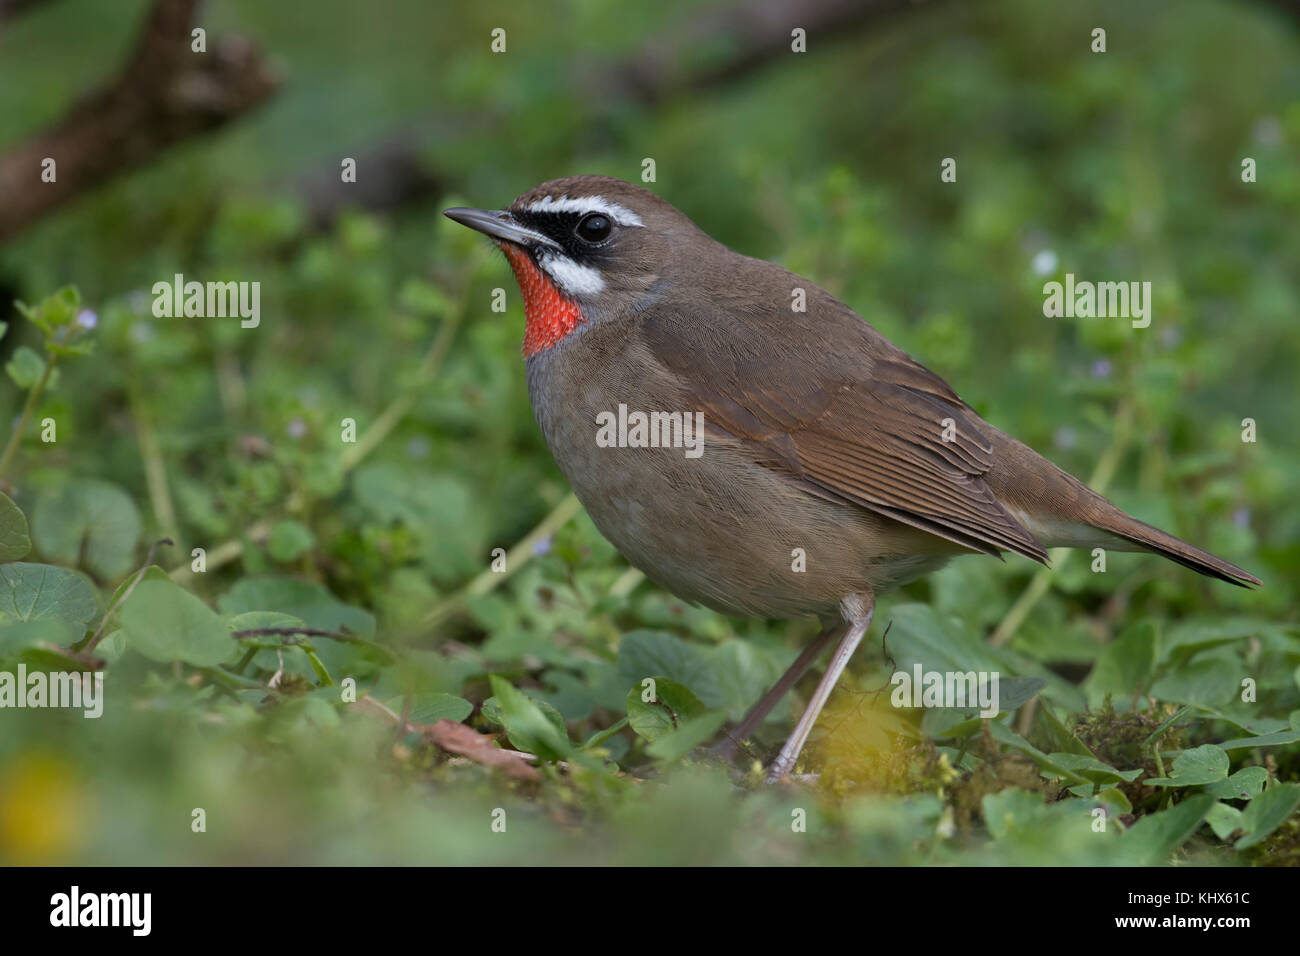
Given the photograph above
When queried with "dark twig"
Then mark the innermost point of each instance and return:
(166, 94)
(344, 636)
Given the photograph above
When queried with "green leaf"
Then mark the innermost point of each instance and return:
(527, 726)
(57, 309)
(688, 735)
(253, 620)
(26, 367)
(289, 540)
(1154, 838)
(439, 510)
(307, 600)
(1187, 638)
(1093, 769)
(1205, 682)
(432, 707)
(36, 592)
(1165, 724)
(1126, 665)
(1246, 783)
(1223, 820)
(151, 573)
(643, 654)
(1011, 809)
(1012, 692)
(1267, 812)
(1195, 768)
(1116, 799)
(920, 636)
(1279, 739)
(1060, 738)
(88, 519)
(1007, 737)
(673, 703)
(164, 622)
(16, 636)
(743, 673)
(14, 540)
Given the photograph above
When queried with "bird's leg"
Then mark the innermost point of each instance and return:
(726, 750)
(858, 609)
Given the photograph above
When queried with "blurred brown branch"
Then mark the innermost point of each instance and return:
(9, 9)
(166, 94)
(394, 173)
(747, 35)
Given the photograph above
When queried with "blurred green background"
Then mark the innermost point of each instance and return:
(1117, 165)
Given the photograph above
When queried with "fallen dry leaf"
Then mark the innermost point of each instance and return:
(458, 739)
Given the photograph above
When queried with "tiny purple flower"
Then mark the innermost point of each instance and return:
(296, 428)
(87, 319)
(1101, 368)
(542, 547)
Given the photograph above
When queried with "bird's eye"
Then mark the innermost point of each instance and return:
(594, 227)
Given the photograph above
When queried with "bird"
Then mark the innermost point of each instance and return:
(803, 430)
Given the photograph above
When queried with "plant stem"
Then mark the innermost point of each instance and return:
(155, 468)
(139, 576)
(516, 558)
(33, 397)
(392, 415)
(600, 736)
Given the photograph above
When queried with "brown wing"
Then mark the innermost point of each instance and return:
(837, 406)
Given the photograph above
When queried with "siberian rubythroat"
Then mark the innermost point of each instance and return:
(817, 433)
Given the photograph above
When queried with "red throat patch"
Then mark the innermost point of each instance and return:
(548, 315)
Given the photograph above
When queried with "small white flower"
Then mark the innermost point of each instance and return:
(1045, 262)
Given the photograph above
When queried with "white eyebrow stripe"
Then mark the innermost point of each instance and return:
(584, 204)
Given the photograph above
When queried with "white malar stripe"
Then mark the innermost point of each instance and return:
(584, 204)
(572, 278)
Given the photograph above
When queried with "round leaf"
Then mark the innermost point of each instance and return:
(165, 623)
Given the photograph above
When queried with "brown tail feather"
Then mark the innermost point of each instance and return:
(1060, 510)
(1175, 549)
